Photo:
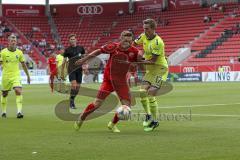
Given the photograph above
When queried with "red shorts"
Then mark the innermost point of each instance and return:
(108, 86)
(53, 74)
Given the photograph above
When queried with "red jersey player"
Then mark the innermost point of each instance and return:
(52, 63)
(114, 76)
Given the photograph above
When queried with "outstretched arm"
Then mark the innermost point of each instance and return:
(150, 61)
(89, 56)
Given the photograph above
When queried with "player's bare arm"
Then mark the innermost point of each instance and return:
(154, 58)
(26, 72)
(89, 56)
(146, 62)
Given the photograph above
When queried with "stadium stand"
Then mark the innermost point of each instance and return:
(223, 53)
(179, 27)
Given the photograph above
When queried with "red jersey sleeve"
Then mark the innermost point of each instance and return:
(109, 48)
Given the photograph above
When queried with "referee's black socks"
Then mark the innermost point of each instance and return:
(73, 94)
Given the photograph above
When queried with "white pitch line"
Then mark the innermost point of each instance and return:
(191, 106)
(216, 115)
(200, 115)
(198, 105)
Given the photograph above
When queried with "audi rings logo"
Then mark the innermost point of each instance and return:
(90, 10)
(188, 69)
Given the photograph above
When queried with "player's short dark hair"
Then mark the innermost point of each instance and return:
(71, 35)
(151, 22)
(127, 33)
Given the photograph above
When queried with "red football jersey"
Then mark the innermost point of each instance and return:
(52, 64)
(115, 73)
(114, 50)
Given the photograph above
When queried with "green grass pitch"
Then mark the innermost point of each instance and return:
(209, 128)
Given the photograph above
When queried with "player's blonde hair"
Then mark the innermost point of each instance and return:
(12, 36)
(151, 22)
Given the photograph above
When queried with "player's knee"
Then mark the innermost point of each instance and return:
(4, 94)
(98, 102)
(77, 87)
(51, 76)
(18, 92)
(73, 84)
(152, 91)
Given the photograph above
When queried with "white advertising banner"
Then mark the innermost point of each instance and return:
(32, 72)
(38, 76)
(220, 76)
(34, 80)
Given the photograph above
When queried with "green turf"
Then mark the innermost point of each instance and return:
(210, 133)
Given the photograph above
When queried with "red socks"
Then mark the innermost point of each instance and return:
(90, 108)
(51, 82)
(115, 119)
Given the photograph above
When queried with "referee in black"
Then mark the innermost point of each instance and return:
(73, 53)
